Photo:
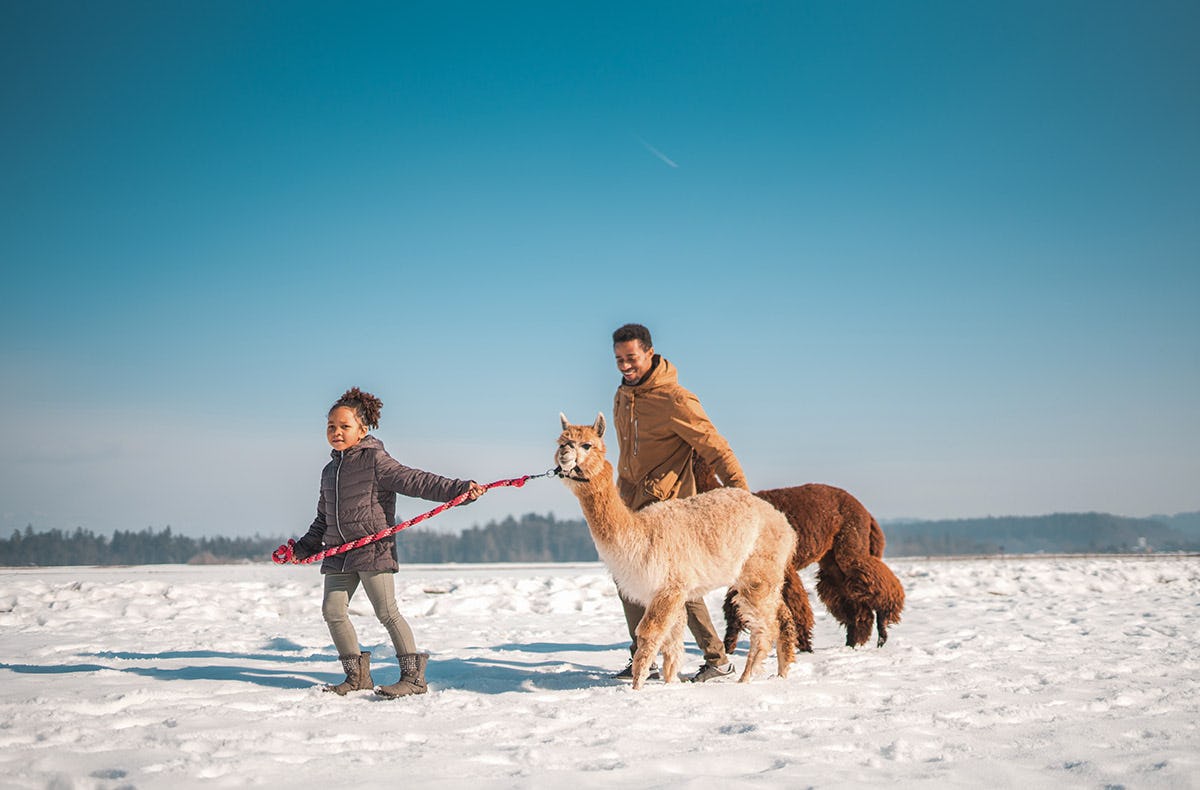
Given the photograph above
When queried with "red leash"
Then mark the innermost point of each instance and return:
(285, 555)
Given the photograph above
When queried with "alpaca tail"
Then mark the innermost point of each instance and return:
(877, 540)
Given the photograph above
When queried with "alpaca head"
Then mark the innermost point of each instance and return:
(580, 453)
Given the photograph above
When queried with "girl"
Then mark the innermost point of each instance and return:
(358, 498)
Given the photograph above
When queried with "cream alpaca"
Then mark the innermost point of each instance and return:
(673, 551)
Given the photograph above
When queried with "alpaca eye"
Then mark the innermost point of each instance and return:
(586, 446)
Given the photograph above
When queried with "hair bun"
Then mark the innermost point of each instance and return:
(364, 404)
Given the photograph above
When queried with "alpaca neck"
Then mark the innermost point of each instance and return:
(607, 516)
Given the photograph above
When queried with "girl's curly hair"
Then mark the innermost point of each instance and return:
(365, 405)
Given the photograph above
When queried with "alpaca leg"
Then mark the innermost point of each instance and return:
(733, 622)
(830, 581)
(753, 602)
(833, 590)
(785, 645)
(763, 633)
(795, 597)
(857, 611)
(660, 617)
(759, 647)
(672, 649)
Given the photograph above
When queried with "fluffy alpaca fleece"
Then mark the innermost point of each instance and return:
(834, 529)
(674, 551)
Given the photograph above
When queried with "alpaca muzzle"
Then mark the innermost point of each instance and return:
(575, 474)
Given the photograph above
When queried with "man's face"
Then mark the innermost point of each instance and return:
(633, 360)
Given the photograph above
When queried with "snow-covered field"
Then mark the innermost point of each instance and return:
(1019, 672)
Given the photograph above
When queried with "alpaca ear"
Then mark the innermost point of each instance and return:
(563, 418)
(598, 425)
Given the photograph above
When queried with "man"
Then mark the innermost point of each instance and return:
(659, 426)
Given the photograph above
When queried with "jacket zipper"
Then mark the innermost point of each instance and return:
(633, 420)
(337, 500)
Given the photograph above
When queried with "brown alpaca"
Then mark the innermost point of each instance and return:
(671, 552)
(834, 529)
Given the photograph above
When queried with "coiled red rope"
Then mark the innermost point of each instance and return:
(285, 554)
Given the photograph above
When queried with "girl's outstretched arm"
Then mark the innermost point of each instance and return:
(395, 476)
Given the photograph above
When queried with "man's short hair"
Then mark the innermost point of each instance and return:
(633, 332)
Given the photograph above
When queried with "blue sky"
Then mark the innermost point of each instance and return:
(943, 255)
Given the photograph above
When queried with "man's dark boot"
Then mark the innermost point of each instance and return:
(412, 677)
(358, 674)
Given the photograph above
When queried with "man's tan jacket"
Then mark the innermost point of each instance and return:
(659, 424)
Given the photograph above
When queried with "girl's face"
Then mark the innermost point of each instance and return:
(343, 429)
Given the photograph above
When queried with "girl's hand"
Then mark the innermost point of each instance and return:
(475, 491)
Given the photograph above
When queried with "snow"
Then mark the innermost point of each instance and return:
(1018, 672)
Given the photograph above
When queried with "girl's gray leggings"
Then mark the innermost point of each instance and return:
(380, 587)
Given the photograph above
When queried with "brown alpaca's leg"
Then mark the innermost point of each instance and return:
(795, 597)
(785, 645)
(660, 617)
(831, 589)
(733, 622)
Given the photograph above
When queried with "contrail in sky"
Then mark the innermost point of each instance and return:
(657, 152)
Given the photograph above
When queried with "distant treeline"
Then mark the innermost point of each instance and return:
(531, 539)
(1063, 533)
(534, 538)
(83, 547)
